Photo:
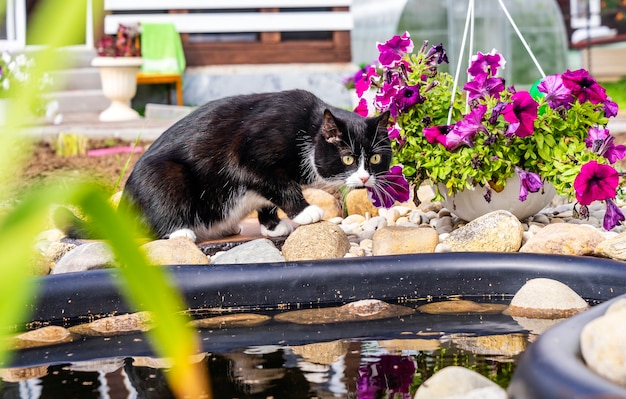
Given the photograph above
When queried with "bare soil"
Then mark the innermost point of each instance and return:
(45, 163)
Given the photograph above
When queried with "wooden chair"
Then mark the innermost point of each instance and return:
(169, 78)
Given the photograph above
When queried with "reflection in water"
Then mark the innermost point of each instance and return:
(338, 369)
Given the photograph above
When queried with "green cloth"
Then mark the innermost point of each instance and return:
(161, 48)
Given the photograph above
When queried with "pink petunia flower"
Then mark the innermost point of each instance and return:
(595, 182)
(521, 114)
(362, 108)
(392, 51)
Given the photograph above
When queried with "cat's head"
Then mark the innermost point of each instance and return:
(351, 150)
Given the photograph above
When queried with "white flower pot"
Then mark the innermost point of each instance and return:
(119, 84)
(470, 204)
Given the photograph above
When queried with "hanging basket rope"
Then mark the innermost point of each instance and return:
(469, 28)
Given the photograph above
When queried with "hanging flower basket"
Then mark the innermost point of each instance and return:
(553, 134)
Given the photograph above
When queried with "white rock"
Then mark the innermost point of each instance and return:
(603, 346)
(544, 298)
(455, 382)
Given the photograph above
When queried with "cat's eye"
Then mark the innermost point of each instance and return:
(347, 160)
(375, 159)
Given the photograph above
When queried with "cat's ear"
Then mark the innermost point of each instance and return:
(330, 131)
(383, 121)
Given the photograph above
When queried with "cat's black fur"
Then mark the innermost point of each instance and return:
(253, 152)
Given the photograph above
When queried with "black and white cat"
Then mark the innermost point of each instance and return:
(232, 156)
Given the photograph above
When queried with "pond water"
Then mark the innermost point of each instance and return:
(362, 359)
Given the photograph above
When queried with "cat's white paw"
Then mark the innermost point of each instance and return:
(310, 214)
(282, 229)
(187, 233)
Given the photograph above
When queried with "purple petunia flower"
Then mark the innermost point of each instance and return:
(486, 64)
(521, 114)
(405, 98)
(466, 129)
(389, 188)
(496, 111)
(601, 142)
(436, 55)
(483, 87)
(613, 215)
(392, 51)
(583, 86)
(556, 93)
(595, 182)
(610, 108)
(529, 182)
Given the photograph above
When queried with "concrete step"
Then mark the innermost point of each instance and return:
(86, 78)
(74, 101)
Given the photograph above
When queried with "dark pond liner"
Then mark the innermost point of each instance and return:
(553, 367)
(294, 285)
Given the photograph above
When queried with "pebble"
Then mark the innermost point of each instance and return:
(553, 230)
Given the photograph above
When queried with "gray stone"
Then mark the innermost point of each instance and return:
(603, 346)
(564, 239)
(543, 298)
(396, 240)
(458, 382)
(322, 240)
(255, 251)
(498, 231)
(90, 256)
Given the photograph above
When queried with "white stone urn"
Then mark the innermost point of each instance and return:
(470, 204)
(119, 84)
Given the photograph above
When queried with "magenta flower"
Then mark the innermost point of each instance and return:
(362, 108)
(583, 86)
(389, 188)
(389, 377)
(556, 93)
(521, 114)
(392, 51)
(529, 182)
(595, 182)
(437, 134)
(393, 132)
(363, 79)
(612, 216)
(385, 96)
(601, 142)
(486, 64)
(483, 87)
